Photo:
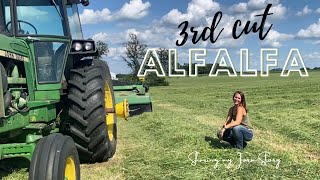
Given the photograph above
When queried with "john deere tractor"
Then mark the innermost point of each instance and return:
(57, 106)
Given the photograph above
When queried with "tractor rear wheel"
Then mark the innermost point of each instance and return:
(93, 130)
(55, 157)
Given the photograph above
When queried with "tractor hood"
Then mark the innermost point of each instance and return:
(13, 48)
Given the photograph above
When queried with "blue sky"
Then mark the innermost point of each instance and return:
(296, 24)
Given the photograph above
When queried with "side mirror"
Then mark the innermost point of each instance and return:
(85, 2)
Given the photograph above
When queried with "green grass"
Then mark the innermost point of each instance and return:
(187, 114)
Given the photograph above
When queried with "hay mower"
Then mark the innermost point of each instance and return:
(137, 95)
(57, 105)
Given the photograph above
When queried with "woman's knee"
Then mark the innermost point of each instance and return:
(242, 131)
(237, 129)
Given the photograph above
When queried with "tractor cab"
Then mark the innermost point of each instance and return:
(34, 18)
(40, 18)
(37, 50)
(42, 31)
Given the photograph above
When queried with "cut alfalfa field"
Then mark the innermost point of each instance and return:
(187, 114)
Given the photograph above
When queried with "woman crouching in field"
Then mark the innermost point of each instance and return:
(237, 129)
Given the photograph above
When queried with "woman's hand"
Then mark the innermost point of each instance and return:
(220, 133)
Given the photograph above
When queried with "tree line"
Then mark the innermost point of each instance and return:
(135, 51)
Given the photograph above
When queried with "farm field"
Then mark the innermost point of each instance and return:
(187, 114)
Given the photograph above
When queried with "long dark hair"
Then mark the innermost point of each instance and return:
(243, 99)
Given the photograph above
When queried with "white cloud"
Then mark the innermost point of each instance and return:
(174, 17)
(253, 8)
(254, 5)
(317, 10)
(278, 11)
(117, 51)
(131, 31)
(155, 37)
(135, 9)
(196, 12)
(201, 8)
(90, 16)
(228, 43)
(313, 56)
(239, 8)
(305, 11)
(313, 31)
(101, 36)
(274, 38)
(260, 4)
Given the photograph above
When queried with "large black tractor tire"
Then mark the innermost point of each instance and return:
(95, 140)
(55, 157)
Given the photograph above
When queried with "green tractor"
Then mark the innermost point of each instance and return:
(57, 105)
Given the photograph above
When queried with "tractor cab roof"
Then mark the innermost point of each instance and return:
(33, 18)
(38, 17)
(43, 3)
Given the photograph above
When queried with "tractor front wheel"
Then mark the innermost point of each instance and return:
(90, 94)
(55, 157)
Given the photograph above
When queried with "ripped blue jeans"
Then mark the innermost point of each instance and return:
(237, 136)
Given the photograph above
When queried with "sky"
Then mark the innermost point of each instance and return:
(295, 24)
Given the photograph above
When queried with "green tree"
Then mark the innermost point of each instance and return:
(135, 52)
(163, 55)
(102, 49)
(153, 80)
